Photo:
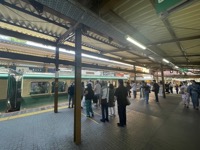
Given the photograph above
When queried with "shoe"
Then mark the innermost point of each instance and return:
(187, 107)
(102, 120)
(107, 120)
(119, 125)
(197, 108)
(92, 115)
(69, 107)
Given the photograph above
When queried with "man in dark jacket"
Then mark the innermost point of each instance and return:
(121, 94)
(156, 90)
(71, 94)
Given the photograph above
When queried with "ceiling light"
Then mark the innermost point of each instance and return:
(165, 60)
(151, 58)
(135, 42)
(176, 67)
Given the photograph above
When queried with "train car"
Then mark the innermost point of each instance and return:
(3, 92)
(10, 91)
(38, 89)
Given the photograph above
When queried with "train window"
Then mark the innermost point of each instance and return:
(61, 86)
(39, 87)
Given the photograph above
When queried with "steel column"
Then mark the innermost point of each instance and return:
(134, 73)
(56, 80)
(163, 81)
(77, 98)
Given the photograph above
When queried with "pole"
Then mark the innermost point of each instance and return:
(163, 81)
(77, 98)
(56, 81)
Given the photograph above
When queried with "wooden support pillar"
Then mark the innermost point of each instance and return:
(56, 80)
(135, 74)
(163, 81)
(77, 98)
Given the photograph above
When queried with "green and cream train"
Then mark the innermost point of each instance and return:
(37, 89)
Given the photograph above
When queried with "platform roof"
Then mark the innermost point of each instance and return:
(175, 36)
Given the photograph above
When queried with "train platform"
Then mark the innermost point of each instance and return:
(166, 125)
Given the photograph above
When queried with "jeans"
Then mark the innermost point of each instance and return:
(195, 99)
(71, 98)
(147, 96)
(104, 111)
(88, 105)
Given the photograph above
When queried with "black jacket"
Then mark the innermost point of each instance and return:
(121, 94)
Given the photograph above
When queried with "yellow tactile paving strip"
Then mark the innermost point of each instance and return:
(40, 112)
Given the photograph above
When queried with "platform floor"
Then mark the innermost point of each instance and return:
(163, 126)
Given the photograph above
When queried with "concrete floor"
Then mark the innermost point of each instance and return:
(163, 126)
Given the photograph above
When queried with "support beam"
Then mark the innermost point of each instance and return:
(56, 80)
(163, 81)
(53, 43)
(134, 73)
(77, 98)
(174, 40)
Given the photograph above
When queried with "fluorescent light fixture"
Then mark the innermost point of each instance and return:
(51, 48)
(135, 42)
(151, 58)
(165, 60)
(176, 67)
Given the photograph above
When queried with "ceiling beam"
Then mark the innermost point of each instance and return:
(16, 56)
(197, 55)
(174, 40)
(53, 43)
(173, 34)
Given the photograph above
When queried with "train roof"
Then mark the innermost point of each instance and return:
(3, 75)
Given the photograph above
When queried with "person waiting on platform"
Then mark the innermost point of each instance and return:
(121, 95)
(194, 91)
(184, 94)
(155, 90)
(97, 92)
(146, 92)
(134, 88)
(176, 87)
(111, 102)
(71, 94)
(104, 101)
(89, 95)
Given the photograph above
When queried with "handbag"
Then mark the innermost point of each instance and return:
(127, 101)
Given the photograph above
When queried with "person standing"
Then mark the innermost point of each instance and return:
(161, 89)
(194, 91)
(121, 95)
(134, 88)
(89, 95)
(155, 90)
(97, 92)
(184, 94)
(71, 94)
(111, 102)
(128, 87)
(82, 93)
(171, 87)
(104, 101)
(176, 87)
(146, 92)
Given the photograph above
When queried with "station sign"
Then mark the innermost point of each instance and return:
(110, 74)
(91, 72)
(162, 6)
